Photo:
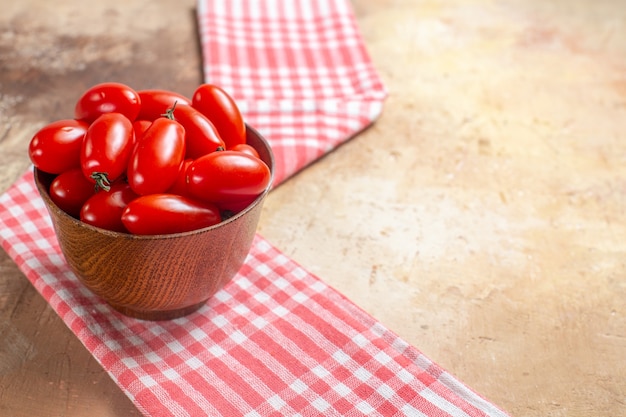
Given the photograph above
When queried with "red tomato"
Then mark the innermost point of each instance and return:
(202, 138)
(155, 103)
(245, 148)
(140, 127)
(106, 149)
(158, 214)
(156, 160)
(70, 190)
(104, 209)
(180, 185)
(227, 177)
(55, 148)
(230, 208)
(220, 108)
(107, 98)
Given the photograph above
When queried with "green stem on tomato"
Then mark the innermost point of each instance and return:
(102, 180)
(169, 113)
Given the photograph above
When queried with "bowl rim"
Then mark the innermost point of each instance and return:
(44, 193)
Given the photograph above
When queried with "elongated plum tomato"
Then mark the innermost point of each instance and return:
(107, 148)
(158, 214)
(155, 103)
(202, 138)
(70, 190)
(220, 108)
(180, 185)
(104, 209)
(140, 127)
(107, 98)
(245, 148)
(55, 148)
(227, 177)
(156, 159)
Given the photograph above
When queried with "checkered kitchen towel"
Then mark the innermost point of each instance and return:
(276, 341)
(298, 70)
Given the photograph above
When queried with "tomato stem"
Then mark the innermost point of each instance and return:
(169, 113)
(102, 180)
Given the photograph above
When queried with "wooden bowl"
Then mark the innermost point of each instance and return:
(157, 277)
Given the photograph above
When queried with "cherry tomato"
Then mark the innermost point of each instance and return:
(140, 127)
(180, 185)
(158, 214)
(156, 160)
(202, 138)
(69, 191)
(227, 177)
(55, 148)
(104, 209)
(245, 148)
(230, 208)
(220, 108)
(155, 103)
(107, 98)
(106, 149)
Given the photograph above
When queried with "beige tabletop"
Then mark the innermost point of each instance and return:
(482, 218)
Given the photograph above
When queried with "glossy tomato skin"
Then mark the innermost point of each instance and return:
(230, 208)
(157, 214)
(69, 191)
(202, 138)
(245, 148)
(155, 162)
(227, 177)
(220, 108)
(55, 148)
(104, 209)
(140, 127)
(155, 103)
(180, 185)
(107, 97)
(107, 147)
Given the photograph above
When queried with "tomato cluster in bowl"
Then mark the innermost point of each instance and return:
(150, 162)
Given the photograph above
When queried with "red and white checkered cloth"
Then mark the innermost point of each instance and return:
(276, 341)
(298, 70)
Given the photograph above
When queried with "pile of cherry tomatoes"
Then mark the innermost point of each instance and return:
(150, 161)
